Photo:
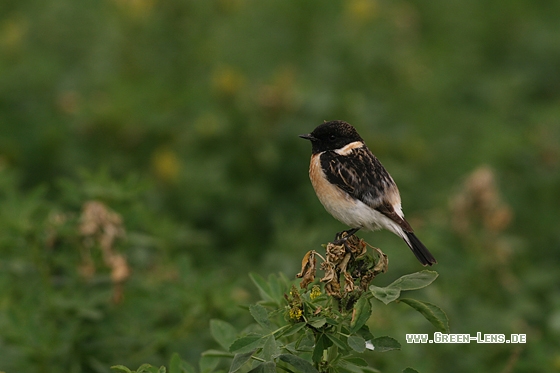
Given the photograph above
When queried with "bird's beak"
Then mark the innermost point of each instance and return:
(308, 136)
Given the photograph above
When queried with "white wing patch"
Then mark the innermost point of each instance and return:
(346, 149)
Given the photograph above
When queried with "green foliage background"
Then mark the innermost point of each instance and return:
(182, 116)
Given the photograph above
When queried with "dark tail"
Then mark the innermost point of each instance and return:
(422, 254)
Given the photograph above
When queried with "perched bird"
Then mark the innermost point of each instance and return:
(355, 188)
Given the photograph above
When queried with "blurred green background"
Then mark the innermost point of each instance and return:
(182, 116)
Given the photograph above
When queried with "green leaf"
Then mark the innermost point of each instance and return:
(348, 367)
(275, 287)
(431, 312)
(260, 315)
(208, 363)
(291, 348)
(317, 323)
(356, 361)
(409, 370)
(247, 343)
(292, 329)
(386, 295)
(297, 362)
(357, 343)
(174, 363)
(269, 348)
(364, 333)
(332, 321)
(336, 341)
(223, 333)
(370, 370)
(262, 285)
(217, 353)
(383, 344)
(362, 312)
(121, 368)
(414, 281)
(239, 360)
(305, 342)
(268, 367)
(321, 344)
(147, 368)
(178, 365)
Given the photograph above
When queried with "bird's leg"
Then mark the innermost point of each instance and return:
(340, 238)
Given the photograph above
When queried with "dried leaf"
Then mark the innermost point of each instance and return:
(308, 270)
(348, 283)
(344, 263)
(335, 253)
(330, 272)
(98, 224)
(119, 268)
(382, 263)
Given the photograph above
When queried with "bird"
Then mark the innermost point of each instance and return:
(355, 188)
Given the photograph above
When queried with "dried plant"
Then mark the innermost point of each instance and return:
(101, 227)
(322, 329)
(479, 202)
(480, 217)
(346, 262)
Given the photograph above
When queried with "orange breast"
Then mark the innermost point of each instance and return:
(337, 202)
(348, 210)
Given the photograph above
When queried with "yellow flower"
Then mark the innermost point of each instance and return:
(137, 9)
(13, 32)
(361, 10)
(315, 292)
(166, 165)
(227, 80)
(296, 313)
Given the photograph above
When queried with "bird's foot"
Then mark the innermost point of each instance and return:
(341, 237)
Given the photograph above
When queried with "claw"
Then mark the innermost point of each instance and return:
(341, 237)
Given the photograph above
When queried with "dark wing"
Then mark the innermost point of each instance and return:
(388, 210)
(360, 174)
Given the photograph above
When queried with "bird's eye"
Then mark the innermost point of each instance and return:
(332, 137)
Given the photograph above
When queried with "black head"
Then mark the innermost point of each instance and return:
(331, 136)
